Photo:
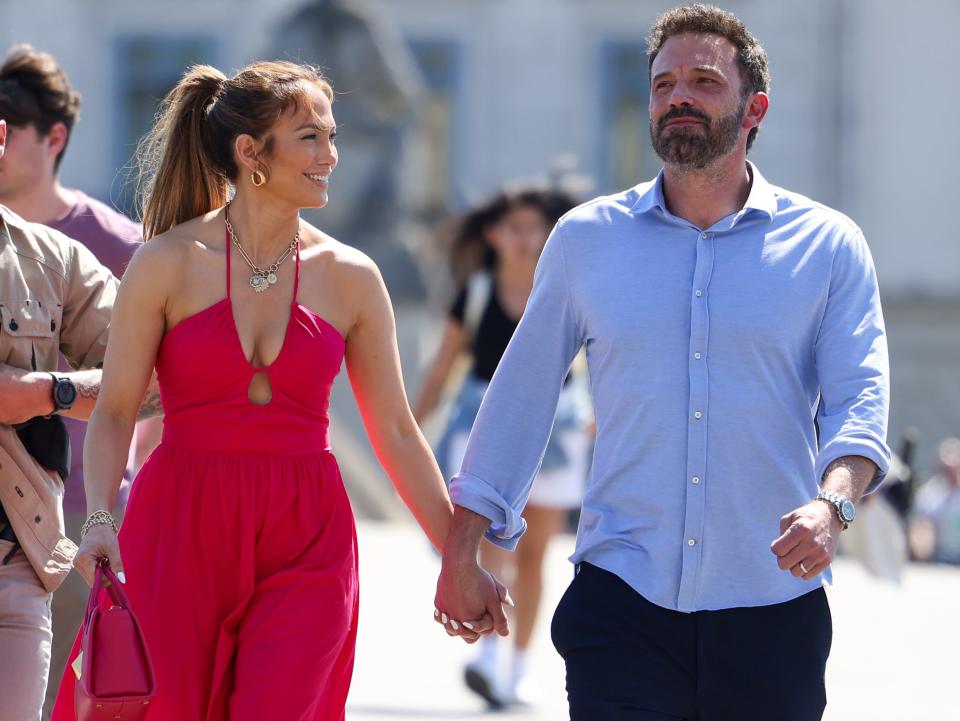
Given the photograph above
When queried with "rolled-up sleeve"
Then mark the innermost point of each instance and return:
(852, 364)
(508, 439)
(87, 307)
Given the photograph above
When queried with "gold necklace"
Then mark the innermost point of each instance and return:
(261, 279)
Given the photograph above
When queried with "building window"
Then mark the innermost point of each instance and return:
(147, 69)
(625, 155)
(439, 65)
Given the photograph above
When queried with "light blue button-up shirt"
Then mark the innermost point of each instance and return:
(710, 352)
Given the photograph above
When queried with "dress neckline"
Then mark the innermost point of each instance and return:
(233, 318)
(227, 302)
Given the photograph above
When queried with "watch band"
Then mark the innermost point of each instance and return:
(58, 382)
(837, 501)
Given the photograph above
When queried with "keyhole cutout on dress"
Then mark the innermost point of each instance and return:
(260, 391)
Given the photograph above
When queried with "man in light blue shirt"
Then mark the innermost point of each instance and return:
(738, 363)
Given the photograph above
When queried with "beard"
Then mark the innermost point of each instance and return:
(691, 147)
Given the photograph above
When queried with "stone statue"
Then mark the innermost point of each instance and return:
(378, 93)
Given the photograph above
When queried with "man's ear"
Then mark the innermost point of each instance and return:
(756, 110)
(56, 139)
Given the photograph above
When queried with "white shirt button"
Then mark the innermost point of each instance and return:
(698, 293)
(691, 542)
(697, 355)
(698, 415)
(696, 480)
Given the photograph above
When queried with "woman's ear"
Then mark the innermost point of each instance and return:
(247, 150)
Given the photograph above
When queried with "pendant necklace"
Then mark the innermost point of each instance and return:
(261, 279)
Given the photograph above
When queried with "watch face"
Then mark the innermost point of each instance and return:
(66, 394)
(847, 511)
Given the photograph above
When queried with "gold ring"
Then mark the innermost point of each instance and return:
(803, 568)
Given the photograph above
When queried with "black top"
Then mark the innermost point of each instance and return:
(493, 333)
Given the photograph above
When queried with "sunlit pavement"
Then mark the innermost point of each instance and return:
(896, 652)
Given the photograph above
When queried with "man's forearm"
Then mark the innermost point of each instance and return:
(151, 406)
(28, 394)
(23, 395)
(849, 476)
(88, 390)
(87, 384)
(466, 533)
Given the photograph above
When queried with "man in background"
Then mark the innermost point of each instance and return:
(41, 109)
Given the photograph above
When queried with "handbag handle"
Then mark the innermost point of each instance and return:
(115, 590)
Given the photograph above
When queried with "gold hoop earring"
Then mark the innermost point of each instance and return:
(258, 178)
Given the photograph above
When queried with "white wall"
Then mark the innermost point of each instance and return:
(862, 116)
(908, 143)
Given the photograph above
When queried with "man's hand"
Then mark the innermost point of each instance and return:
(469, 601)
(808, 540)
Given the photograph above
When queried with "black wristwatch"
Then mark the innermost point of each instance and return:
(64, 393)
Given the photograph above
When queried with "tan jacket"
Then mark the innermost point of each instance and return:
(54, 297)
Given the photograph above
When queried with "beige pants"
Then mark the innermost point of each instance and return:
(69, 603)
(24, 638)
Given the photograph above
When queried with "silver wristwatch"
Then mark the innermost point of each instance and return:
(846, 510)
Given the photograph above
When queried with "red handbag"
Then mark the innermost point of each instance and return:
(116, 674)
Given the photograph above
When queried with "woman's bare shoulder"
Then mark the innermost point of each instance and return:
(336, 256)
(164, 256)
(203, 231)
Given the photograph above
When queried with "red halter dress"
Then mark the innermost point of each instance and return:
(239, 544)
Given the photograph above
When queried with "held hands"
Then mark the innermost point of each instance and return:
(808, 540)
(100, 542)
(469, 601)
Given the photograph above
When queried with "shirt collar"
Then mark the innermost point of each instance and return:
(651, 197)
(4, 233)
(761, 198)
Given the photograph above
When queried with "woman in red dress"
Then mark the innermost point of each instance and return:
(238, 547)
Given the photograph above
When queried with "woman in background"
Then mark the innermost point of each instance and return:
(504, 239)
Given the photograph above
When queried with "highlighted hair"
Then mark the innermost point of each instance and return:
(186, 163)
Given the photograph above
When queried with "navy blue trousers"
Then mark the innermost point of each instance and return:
(630, 660)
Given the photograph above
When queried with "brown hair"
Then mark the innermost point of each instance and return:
(469, 249)
(34, 90)
(699, 18)
(186, 162)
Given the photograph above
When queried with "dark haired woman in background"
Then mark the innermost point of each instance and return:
(239, 546)
(503, 240)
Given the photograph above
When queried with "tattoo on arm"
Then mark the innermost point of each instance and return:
(88, 387)
(151, 405)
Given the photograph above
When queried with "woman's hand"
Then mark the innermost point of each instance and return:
(100, 543)
(469, 602)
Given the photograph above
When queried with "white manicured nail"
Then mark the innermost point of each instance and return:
(122, 577)
(444, 617)
(436, 613)
(468, 625)
(454, 625)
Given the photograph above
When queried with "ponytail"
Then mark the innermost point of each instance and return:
(178, 181)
